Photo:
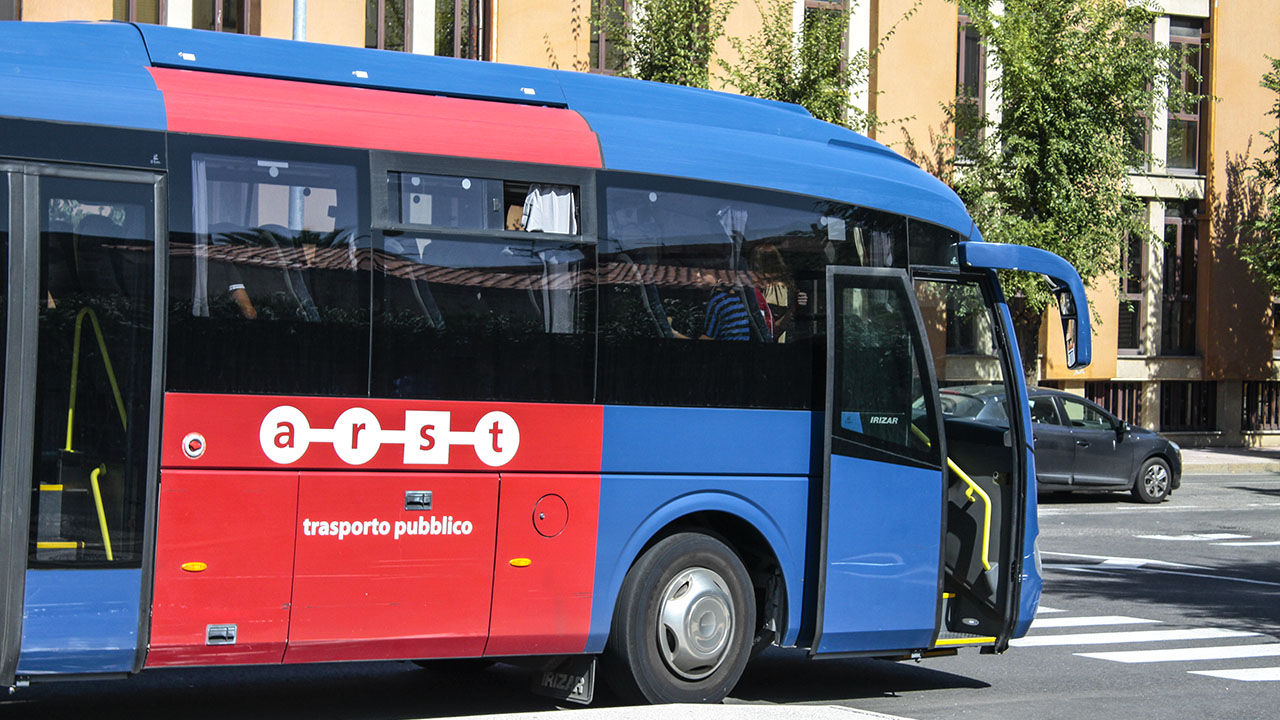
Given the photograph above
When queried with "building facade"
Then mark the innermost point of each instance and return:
(1186, 341)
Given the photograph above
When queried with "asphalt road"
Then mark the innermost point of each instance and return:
(1201, 571)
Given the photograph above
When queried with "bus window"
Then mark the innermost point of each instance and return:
(931, 244)
(269, 274)
(740, 273)
(97, 249)
(507, 318)
(468, 203)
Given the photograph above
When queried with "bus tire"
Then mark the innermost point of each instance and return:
(683, 625)
(1153, 482)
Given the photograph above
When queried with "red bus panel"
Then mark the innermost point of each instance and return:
(374, 580)
(545, 567)
(224, 556)
(260, 431)
(291, 111)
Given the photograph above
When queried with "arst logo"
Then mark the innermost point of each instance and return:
(357, 436)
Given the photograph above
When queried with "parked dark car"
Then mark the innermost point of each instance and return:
(1079, 445)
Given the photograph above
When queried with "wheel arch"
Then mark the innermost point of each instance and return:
(748, 530)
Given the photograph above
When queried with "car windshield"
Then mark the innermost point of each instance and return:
(955, 404)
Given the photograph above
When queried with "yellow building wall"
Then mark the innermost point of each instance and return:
(56, 10)
(544, 33)
(744, 21)
(915, 72)
(1232, 311)
(335, 22)
(1104, 322)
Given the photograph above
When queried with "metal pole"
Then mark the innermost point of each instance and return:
(299, 19)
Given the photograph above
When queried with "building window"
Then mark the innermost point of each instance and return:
(971, 80)
(141, 11)
(387, 24)
(1261, 411)
(462, 29)
(1188, 405)
(605, 57)
(233, 16)
(1178, 323)
(1122, 399)
(1184, 121)
(1129, 332)
(1275, 329)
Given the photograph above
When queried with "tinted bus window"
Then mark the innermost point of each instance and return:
(448, 201)
(932, 244)
(711, 299)
(507, 318)
(267, 292)
(93, 385)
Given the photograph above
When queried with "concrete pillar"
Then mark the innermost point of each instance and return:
(1230, 406)
(1153, 282)
(1149, 417)
(859, 41)
(1159, 128)
(178, 13)
(422, 40)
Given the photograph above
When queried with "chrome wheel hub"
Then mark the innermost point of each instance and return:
(695, 623)
(1156, 480)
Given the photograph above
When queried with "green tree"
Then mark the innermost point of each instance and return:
(667, 41)
(1260, 231)
(1077, 78)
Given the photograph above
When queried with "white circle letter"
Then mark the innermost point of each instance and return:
(284, 434)
(497, 439)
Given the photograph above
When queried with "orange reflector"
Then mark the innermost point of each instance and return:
(194, 566)
(521, 562)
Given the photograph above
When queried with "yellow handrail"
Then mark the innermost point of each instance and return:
(102, 515)
(973, 487)
(75, 370)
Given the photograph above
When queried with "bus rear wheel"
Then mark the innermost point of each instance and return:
(683, 624)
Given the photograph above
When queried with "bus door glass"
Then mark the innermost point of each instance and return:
(883, 496)
(95, 237)
(12, 488)
(985, 487)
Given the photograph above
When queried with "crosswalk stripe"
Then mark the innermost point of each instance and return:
(1115, 638)
(1039, 624)
(1271, 674)
(1251, 543)
(1226, 652)
(1042, 610)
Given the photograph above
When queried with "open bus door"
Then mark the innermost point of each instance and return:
(78, 467)
(883, 496)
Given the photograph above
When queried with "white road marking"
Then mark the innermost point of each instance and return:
(1227, 652)
(1271, 674)
(1042, 610)
(1124, 561)
(1135, 636)
(1038, 624)
(1194, 537)
(1164, 508)
(1250, 543)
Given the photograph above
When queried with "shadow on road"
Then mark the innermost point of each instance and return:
(783, 676)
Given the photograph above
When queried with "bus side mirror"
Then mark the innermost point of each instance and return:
(1067, 311)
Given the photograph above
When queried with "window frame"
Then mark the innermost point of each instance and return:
(1179, 276)
(481, 12)
(1197, 45)
(978, 101)
(380, 35)
(131, 12)
(599, 40)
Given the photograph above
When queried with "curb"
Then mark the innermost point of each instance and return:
(1232, 468)
(751, 711)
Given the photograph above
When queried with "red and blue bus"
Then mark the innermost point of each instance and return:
(319, 354)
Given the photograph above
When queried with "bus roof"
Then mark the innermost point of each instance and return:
(102, 73)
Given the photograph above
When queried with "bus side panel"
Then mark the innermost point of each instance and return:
(80, 621)
(240, 527)
(379, 575)
(752, 464)
(543, 606)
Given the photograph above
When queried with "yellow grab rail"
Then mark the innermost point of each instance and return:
(102, 515)
(973, 487)
(75, 370)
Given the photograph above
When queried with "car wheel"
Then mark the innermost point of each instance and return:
(683, 625)
(1153, 482)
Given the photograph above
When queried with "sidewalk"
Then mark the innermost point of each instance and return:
(699, 712)
(1230, 461)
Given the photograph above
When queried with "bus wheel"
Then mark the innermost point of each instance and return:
(683, 624)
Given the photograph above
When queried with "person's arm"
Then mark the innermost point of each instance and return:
(241, 296)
